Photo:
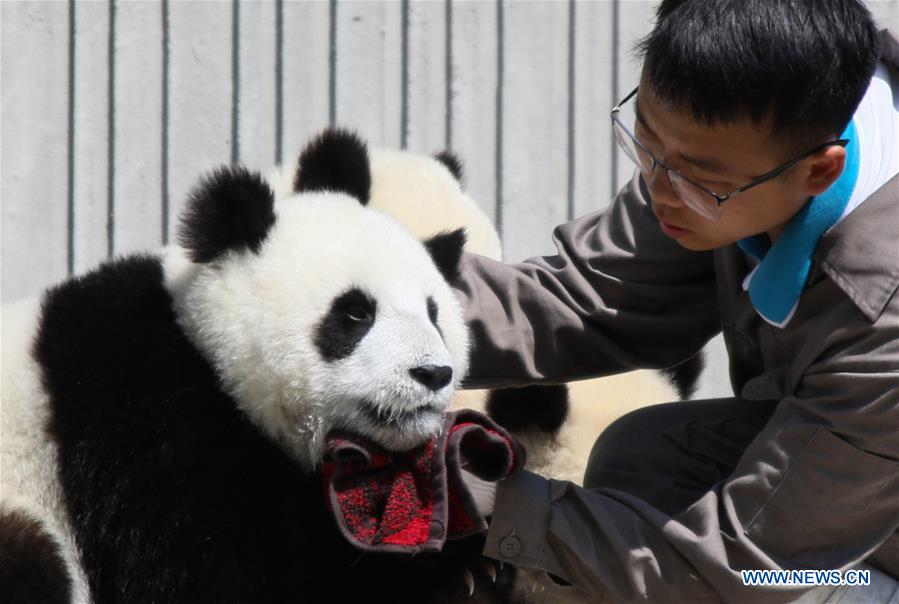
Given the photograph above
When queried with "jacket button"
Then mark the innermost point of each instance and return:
(510, 546)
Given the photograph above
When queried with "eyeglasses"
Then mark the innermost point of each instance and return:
(695, 196)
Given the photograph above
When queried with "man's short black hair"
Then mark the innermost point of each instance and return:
(806, 62)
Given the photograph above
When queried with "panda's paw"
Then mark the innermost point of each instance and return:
(459, 573)
(482, 581)
(486, 572)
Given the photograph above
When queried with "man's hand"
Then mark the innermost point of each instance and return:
(482, 491)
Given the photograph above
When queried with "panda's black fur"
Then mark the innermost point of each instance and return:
(173, 493)
(31, 566)
(452, 163)
(685, 376)
(446, 250)
(336, 335)
(336, 160)
(541, 407)
(232, 208)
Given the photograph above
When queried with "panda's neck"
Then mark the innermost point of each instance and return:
(255, 393)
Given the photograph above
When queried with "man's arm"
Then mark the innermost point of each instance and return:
(619, 295)
(818, 488)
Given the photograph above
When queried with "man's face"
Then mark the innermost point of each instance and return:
(722, 158)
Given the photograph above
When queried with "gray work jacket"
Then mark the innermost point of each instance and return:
(817, 489)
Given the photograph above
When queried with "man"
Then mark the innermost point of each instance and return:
(766, 205)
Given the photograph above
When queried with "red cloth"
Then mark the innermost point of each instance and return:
(413, 501)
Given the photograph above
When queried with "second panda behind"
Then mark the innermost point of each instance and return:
(189, 394)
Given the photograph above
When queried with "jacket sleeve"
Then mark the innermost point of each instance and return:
(818, 488)
(618, 295)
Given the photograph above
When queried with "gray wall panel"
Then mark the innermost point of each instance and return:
(473, 93)
(634, 22)
(306, 73)
(257, 76)
(200, 95)
(886, 12)
(593, 92)
(34, 156)
(137, 184)
(93, 229)
(369, 70)
(426, 56)
(534, 126)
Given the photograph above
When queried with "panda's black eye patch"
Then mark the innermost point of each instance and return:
(348, 320)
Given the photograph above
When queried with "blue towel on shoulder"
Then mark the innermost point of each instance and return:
(777, 282)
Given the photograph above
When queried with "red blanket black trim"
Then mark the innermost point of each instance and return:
(413, 501)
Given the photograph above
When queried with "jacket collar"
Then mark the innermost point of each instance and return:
(861, 253)
(776, 284)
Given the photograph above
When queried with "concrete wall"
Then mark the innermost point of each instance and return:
(111, 110)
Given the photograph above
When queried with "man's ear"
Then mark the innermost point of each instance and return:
(824, 168)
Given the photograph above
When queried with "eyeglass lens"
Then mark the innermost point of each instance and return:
(696, 199)
(635, 153)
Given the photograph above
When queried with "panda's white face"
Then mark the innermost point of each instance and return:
(341, 320)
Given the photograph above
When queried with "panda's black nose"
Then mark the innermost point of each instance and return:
(434, 377)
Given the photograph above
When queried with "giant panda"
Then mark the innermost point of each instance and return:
(557, 424)
(163, 416)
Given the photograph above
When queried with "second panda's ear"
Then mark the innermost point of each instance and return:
(335, 160)
(452, 163)
(446, 252)
(230, 209)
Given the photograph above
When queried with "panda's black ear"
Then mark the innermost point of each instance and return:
(230, 209)
(446, 252)
(335, 160)
(452, 163)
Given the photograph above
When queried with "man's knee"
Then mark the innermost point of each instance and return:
(626, 441)
(656, 441)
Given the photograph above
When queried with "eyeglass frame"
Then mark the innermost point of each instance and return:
(719, 198)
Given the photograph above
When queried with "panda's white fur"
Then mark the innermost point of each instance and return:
(28, 459)
(250, 314)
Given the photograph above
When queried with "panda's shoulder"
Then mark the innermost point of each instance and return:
(125, 284)
(110, 314)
